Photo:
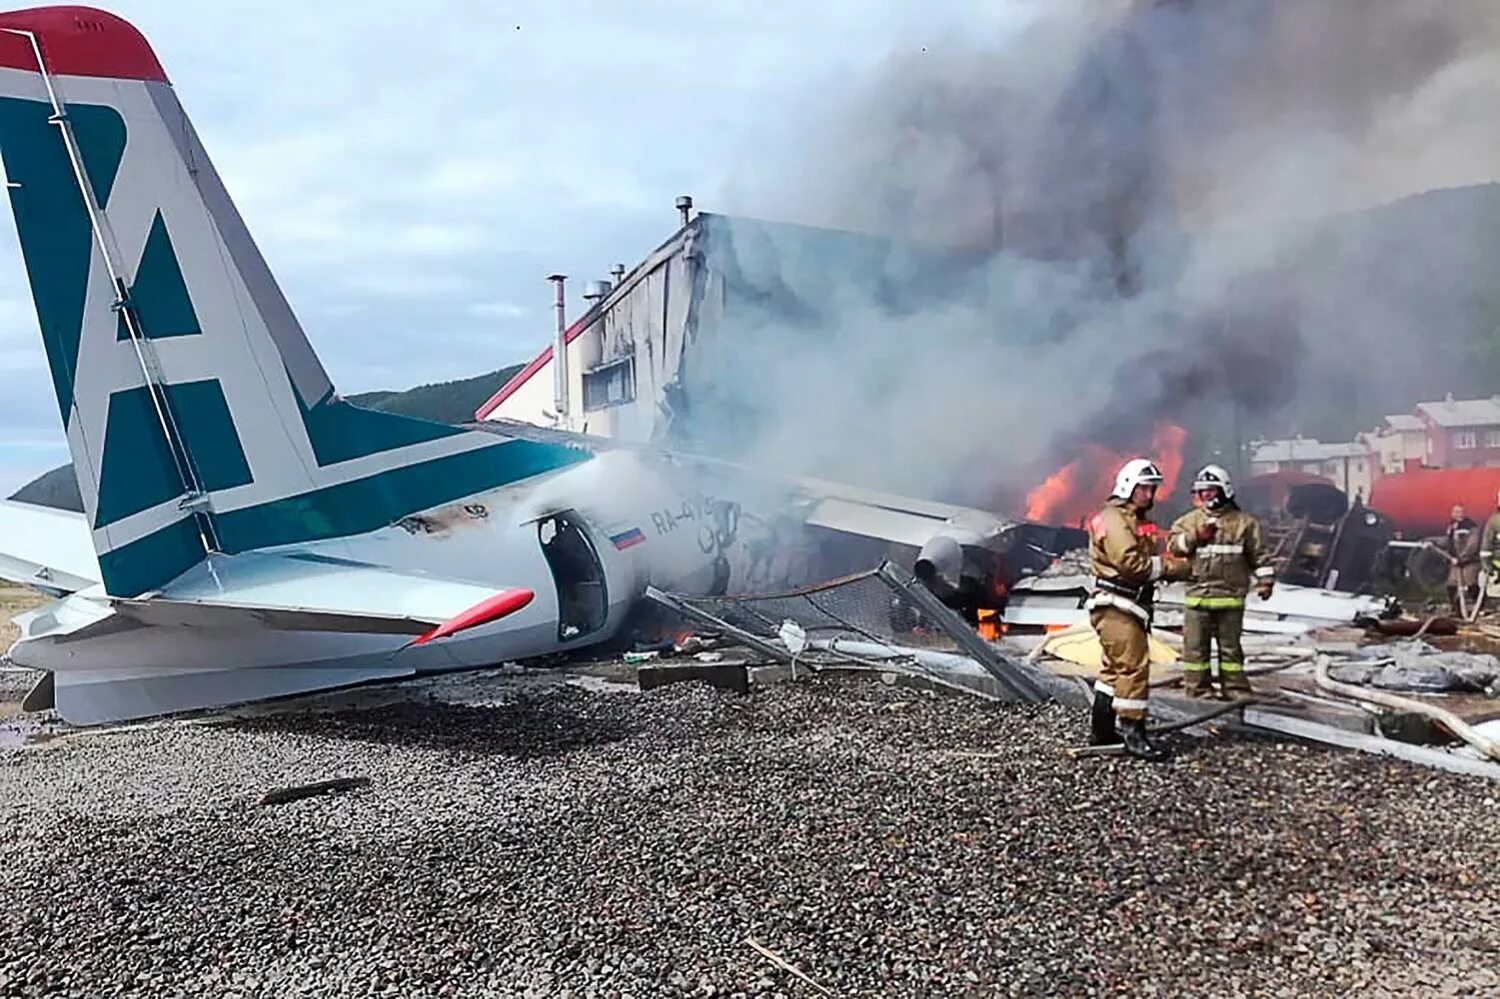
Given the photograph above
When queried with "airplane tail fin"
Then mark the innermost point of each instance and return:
(197, 414)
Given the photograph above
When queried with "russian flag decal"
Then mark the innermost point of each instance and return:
(627, 539)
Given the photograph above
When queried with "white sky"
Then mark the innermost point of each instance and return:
(413, 171)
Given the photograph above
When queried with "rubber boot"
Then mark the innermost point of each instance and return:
(1195, 683)
(1133, 733)
(1236, 685)
(1102, 721)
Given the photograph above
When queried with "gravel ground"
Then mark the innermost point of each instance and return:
(573, 842)
(15, 682)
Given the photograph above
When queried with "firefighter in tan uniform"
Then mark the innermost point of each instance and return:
(1463, 545)
(1489, 545)
(1223, 545)
(1122, 550)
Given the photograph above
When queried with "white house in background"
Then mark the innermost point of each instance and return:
(1400, 445)
(1351, 466)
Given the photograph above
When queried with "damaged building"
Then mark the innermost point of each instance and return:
(764, 342)
(675, 348)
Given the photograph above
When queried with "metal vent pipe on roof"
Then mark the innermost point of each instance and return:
(618, 273)
(685, 206)
(596, 291)
(560, 351)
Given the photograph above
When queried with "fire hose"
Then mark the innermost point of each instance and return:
(1447, 719)
(1207, 716)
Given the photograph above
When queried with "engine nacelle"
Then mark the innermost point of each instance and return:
(962, 563)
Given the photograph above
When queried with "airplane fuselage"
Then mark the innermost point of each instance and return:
(586, 541)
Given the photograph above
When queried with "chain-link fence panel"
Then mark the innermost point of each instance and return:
(878, 619)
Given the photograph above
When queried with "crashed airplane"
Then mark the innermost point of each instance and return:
(247, 534)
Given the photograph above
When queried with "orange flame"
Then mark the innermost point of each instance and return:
(1166, 445)
(1069, 494)
(1073, 492)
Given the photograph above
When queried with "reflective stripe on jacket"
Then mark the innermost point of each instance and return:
(1490, 538)
(1122, 550)
(1223, 569)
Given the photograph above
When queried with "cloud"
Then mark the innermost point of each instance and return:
(502, 310)
(417, 170)
(394, 282)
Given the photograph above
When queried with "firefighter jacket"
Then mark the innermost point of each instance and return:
(1462, 542)
(1122, 554)
(1224, 568)
(1490, 539)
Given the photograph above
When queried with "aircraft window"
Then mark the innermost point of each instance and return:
(582, 603)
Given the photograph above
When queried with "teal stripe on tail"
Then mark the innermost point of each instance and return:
(198, 416)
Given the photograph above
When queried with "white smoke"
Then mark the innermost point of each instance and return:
(1138, 189)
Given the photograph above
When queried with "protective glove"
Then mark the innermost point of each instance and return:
(1175, 568)
(1264, 590)
(1206, 532)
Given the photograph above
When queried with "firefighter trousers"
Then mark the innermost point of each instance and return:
(1125, 672)
(1203, 627)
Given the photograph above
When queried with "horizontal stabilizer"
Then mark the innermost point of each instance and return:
(103, 697)
(244, 621)
(194, 614)
(305, 591)
(46, 549)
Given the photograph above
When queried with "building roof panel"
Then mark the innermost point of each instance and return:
(1452, 413)
(1404, 422)
(1306, 449)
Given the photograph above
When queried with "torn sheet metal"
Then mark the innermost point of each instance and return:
(1053, 600)
(1304, 728)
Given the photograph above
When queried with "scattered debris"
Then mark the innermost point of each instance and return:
(782, 963)
(1055, 599)
(1447, 719)
(297, 792)
(627, 844)
(689, 644)
(883, 619)
(874, 622)
(1270, 720)
(1080, 645)
(1419, 667)
(1406, 627)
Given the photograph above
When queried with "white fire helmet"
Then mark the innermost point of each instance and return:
(1210, 476)
(1137, 472)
